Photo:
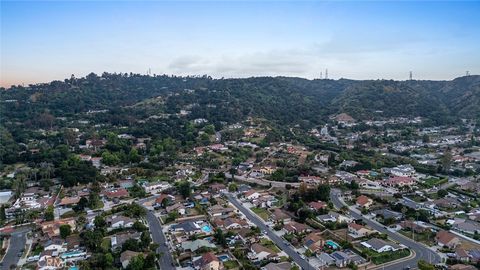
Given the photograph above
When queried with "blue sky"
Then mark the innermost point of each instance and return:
(43, 41)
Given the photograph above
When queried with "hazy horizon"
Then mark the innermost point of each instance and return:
(45, 41)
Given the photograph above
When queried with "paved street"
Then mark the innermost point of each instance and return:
(16, 246)
(166, 260)
(278, 241)
(422, 252)
(261, 181)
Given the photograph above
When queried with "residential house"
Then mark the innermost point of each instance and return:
(116, 193)
(416, 226)
(462, 255)
(399, 181)
(405, 170)
(215, 188)
(192, 227)
(160, 200)
(156, 187)
(52, 228)
(117, 240)
(462, 267)
(467, 226)
(278, 215)
(127, 256)
(379, 245)
(56, 244)
(318, 205)
(265, 201)
(231, 223)
(295, 227)
(446, 203)
(278, 266)
(364, 201)
(207, 261)
(447, 239)
(197, 244)
(220, 211)
(73, 241)
(251, 195)
(388, 214)
(69, 201)
(341, 258)
(334, 217)
(314, 242)
(259, 253)
(178, 207)
(325, 259)
(356, 230)
(116, 222)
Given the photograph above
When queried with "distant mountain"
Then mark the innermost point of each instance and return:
(282, 99)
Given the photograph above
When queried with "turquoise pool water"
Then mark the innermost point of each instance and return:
(206, 228)
(332, 244)
(223, 257)
(70, 254)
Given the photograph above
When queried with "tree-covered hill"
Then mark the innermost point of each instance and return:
(281, 99)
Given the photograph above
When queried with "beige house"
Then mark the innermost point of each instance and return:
(447, 239)
(356, 230)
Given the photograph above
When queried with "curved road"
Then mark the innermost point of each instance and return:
(422, 252)
(166, 260)
(16, 246)
(275, 238)
(261, 181)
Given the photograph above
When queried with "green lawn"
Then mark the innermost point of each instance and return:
(263, 213)
(431, 182)
(230, 264)
(269, 244)
(427, 238)
(384, 257)
(106, 243)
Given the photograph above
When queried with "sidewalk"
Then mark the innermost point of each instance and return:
(6, 244)
(411, 256)
(24, 257)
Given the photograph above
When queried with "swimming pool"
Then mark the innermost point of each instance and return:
(223, 257)
(332, 244)
(206, 228)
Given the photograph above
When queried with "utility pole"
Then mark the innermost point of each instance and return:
(326, 74)
(411, 75)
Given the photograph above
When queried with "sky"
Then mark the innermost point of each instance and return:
(44, 41)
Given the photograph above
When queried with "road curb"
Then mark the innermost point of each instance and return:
(409, 257)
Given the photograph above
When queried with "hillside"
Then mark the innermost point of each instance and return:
(281, 99)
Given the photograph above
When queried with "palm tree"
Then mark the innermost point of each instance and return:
(20, 184)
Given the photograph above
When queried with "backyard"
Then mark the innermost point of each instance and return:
(230, 264)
